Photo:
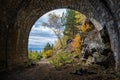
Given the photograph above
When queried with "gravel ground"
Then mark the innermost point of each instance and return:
(45, 71)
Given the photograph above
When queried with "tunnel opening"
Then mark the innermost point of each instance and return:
(84, 38)
(17, 18)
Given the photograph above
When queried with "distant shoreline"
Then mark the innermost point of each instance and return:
(35, 49)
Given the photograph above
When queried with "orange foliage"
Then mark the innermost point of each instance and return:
(76, 45)
(85, 27)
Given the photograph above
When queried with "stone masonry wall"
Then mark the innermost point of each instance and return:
(18, 16)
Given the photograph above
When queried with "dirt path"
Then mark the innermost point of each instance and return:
(45, 71)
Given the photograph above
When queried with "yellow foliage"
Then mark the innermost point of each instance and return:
(76, 45)
(79, 17)
(85, 27)
(47, 54)
(57, 45)
(79, 27)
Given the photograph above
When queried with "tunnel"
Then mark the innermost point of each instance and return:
(18, 17)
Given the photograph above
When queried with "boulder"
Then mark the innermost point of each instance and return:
(97, 48)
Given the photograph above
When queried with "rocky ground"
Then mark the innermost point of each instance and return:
(43, 70)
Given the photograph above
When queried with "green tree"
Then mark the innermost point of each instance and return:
(74, 20)
(47, 47)
(70, 29)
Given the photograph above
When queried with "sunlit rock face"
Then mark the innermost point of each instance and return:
(93, 39)
(97, 48)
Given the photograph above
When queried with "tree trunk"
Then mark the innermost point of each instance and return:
(60, 41)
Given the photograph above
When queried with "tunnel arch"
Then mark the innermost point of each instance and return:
(23, 14)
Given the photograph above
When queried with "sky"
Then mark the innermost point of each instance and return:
(40, 35)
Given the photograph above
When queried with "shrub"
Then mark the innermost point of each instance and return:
(47, 54)
(34, 56)
(61, 59)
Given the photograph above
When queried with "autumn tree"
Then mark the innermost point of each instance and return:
(79, 19)
(76, 44)
(56, 23)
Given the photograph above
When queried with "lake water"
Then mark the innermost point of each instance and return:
(35, 49)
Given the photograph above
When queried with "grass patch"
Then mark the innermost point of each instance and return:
(34, 57)
(60, 59)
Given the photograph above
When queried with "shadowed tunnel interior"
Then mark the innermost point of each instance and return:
(17, 18)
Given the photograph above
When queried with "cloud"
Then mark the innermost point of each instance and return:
(40, 38)
(40, 35)
(40, 42)
(42, 31)
(44, 18)
(57, 12)
(41, 28)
